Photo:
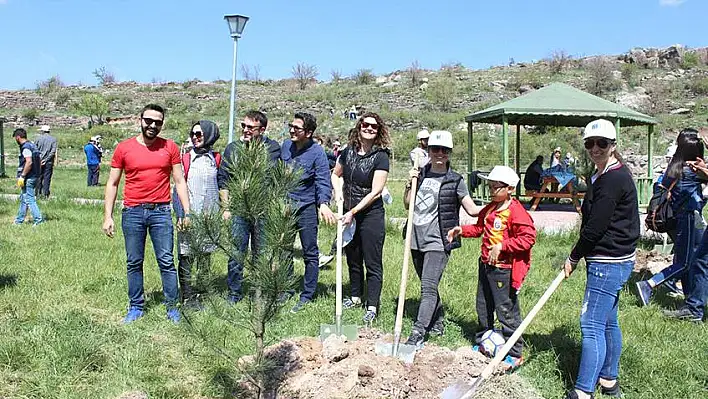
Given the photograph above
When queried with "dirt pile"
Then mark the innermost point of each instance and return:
(308, 368)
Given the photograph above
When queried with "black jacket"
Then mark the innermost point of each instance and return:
(610, 223)
(224, 175)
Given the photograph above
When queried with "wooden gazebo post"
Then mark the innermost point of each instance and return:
(505, 140)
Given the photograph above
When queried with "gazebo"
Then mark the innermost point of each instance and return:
(557, 104)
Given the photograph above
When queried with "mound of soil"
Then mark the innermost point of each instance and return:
(308, 368)
(651, 261)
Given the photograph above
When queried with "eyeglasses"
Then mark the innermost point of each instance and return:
(249, 127)
(150, 121)
(295, 127)
(365, 125)
(601, 142)
(196, 134)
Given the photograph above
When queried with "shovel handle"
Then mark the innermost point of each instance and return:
(406, 254)
(338, 285)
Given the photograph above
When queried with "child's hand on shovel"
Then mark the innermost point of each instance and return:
(454, 232)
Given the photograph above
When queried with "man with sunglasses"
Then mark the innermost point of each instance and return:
(253, 127)
(148, 162)
(312, 195)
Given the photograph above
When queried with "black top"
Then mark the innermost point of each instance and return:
(358, 173)
(610, 226)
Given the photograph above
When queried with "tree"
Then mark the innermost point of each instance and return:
(251, 73)
(103, 76)
(304, 74)
(415, 73)
(95, 106)
(601, 79)
(558, 61)
(258, 194)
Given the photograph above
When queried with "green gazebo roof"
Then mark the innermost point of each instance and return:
(559, 104)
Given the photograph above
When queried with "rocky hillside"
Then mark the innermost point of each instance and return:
(670, 83)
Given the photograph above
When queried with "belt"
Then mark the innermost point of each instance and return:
(153, 205)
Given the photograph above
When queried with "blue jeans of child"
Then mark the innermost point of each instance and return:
(137, 221)
(28, 199)
(697, 289)
(602, 338)
(687, 239)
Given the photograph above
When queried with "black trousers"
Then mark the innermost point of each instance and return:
(496, 295)
(45, 180)
(429, 266)
(366, 249)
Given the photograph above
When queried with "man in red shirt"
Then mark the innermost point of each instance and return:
(148, 162)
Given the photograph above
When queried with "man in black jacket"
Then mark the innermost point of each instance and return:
(253, 126)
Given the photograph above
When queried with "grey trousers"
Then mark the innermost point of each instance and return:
(429, 266)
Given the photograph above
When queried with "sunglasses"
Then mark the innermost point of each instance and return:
(496, 187)
(365, 125)
(150, 121)
(196, 134)
(601, 142)
(249, 127)
(295, 127)
(436, 148)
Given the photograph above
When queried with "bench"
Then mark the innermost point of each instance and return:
(545, 192)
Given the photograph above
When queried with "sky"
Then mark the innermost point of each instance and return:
(177, 40)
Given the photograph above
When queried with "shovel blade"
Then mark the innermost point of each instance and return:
(349, 331)
(460, 390)
(405, 352)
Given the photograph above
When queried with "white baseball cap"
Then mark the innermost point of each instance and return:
(45, 128)
(423, 134)
(440, 138)
(600, 128)
(503, 174)
(96, 138)
(337, 143)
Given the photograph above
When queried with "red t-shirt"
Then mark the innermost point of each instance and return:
(147, 170)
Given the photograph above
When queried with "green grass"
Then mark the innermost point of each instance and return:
(63, 294)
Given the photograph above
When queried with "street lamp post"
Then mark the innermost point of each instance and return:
(236, 24)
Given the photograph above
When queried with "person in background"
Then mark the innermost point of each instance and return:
(200, 166)
(532, 177)
(149, 162)
(609, 232)
(364, 166)
(421, 151)
(556, 157)
(47, 146)
(94, 152)
(253, 127)
(508, 233)
(28, 174)
(440, 193)
(310, 198)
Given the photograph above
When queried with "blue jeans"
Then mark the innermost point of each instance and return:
(28, 199)
(241, 231)
(137, 221)
(697, 290)
(602, 338)
(687, 239)
(307, 229)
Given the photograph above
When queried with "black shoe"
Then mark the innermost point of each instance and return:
(235, 298)
(574, 395)
(298, 306)
(613, 391)
(438, 329)
(682, 314)
(416, 338)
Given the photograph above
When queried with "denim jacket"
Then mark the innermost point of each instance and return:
(686, 195)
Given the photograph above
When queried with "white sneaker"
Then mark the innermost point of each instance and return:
(325, 259)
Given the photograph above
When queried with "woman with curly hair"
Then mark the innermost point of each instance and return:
(364, 165)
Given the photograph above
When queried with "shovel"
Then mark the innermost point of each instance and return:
(396, 349)
(464, 390)
(349, 331)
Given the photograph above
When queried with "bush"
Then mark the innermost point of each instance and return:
(364, 77)
(690, 60)
(415, 74)
(103, 76)
(558, 61)
(441, 93)
(629, 73)
(699, 86)
(600, 77)
(336, 75)
(45, 87)
(62, 98)
(30, 114)
(304, 74)
(95, 106)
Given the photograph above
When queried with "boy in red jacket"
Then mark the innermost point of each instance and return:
(508, 234)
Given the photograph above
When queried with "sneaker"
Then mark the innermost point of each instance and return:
(675, 289)
(416, 338)
(349, 303)
(133, 314)
(574, 395)
(284, 297)
(369, 316)
(480, 349)
(438, 329)
(173, 315)
(511, 363)
(682, 314)
(35, 224)
(613, 391)
(644, 290)
(325, 259)
(298, 306)
(234, 298)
